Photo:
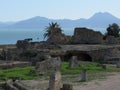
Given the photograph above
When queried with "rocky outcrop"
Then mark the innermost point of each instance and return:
(86, 36)
(49, 65)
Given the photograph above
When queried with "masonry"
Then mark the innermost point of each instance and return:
(91, 52)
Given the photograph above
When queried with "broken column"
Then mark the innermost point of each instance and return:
(55, 81)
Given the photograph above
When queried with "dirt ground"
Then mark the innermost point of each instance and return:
(110, 83)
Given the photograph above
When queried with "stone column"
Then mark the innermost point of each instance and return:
(83, 75)
(73, 61)
(118, 64)
(103, 66)
(55, 81)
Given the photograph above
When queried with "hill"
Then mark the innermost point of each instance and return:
(98, 20)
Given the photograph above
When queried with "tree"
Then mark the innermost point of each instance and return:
(53, 28)
(113, 30)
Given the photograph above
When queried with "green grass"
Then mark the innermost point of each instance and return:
(1, 88)
(28, 73)
(91, 68)
(18, 73)
(94, 71)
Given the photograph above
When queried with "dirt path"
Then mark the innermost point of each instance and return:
(110, 83)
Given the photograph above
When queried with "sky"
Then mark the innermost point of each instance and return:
(16, 10)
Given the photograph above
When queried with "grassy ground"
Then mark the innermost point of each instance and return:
(18, 73)
(1, 88)
(28, 73)
(94, 71)
(91, 68)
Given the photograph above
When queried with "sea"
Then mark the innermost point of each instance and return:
(10, 36)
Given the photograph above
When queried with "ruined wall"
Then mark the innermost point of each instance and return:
(86, 36)
(13, 64)
(100, 55)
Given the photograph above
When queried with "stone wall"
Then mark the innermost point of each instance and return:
(97, 53)
(86, 36)
(12, 64)
(32, 55)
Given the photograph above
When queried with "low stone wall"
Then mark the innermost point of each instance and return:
(6, 65)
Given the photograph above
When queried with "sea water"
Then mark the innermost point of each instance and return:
(10, 36)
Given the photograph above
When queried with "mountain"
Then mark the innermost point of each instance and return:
(102, 20)
(98, 20)
(32, 23)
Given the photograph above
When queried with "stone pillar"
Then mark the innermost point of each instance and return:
(83, 75)
(118, 65)
(103, 66)
(73, 61)
(55, 81)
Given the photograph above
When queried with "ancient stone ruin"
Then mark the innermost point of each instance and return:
(13, 64)
(52, 64)
(48, 55)
(86, 36)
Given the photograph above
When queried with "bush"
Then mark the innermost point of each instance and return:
(113, 30)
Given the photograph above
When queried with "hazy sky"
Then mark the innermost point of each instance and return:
(15, 10)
